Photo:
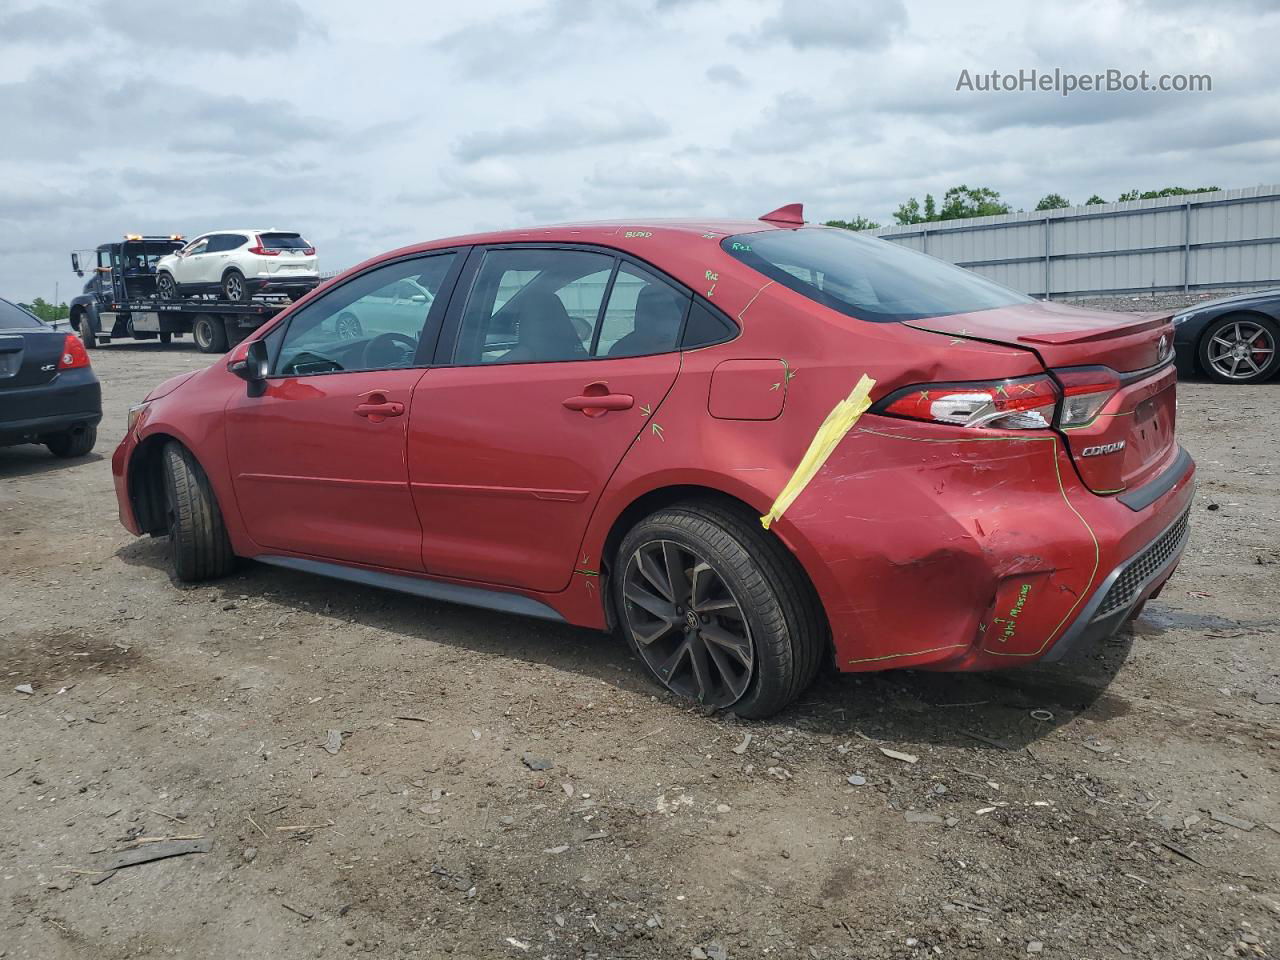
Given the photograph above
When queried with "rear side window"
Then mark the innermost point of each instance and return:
(15, 318)
(644, 316)
(533, 306)
(282, 241)
(706, 327)
(866, 277)
(222, 242)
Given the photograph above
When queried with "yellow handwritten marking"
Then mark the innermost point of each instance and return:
(753, 300)
(838, 422)
(657, 432)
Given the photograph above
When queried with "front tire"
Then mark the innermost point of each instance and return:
(235, 288)
(72, 443)
(717, 610)
(1241, 348)
(198, 541)
(86, 332)
(167, 287)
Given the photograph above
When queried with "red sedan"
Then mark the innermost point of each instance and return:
(749, 446)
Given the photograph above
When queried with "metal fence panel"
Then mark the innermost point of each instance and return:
(1230, 238)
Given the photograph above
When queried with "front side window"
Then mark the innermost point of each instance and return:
(533, 306)
(198, 245)
(373, 322)
(866, 277)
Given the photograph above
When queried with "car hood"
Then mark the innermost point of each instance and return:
(167, 387)
(1239, 298)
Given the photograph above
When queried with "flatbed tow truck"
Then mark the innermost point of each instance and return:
(120, 300)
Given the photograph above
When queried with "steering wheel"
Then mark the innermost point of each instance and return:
(389, 350)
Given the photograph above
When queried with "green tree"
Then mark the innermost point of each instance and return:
(1165, 192)
(909, 212)
(1095, 199)
(857, 223)
(47, 311)
(963, 201)
(1052, 201)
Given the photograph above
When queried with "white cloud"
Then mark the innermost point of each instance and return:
(369, 126)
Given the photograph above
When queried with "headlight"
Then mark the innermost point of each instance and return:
(135, 412)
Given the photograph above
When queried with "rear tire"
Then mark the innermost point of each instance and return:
(72, 443)
(235, 287)
(198, 541)
(86, 332)
(782, 618)
(210, 334)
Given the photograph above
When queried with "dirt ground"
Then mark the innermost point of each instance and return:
(1126, 804)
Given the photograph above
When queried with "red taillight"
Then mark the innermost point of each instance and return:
(1024, 403)
(262, 251)
(1085, 391)
(309, 252)
(73, 354)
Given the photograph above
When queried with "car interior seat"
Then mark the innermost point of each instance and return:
(659, 312)
(545, 331)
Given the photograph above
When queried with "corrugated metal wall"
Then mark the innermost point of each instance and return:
(1205, 241)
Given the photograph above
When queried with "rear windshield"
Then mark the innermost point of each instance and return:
(13, 318)
(866, 277)
(283, 241)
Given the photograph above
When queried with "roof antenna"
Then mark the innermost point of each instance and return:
(792, 215)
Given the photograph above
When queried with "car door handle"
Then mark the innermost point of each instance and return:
(377, 411)
(607, 401)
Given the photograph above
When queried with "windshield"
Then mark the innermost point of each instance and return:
(146, 254)
(15, 318)
(866, 277)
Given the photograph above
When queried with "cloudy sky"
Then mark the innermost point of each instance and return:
(374, 124)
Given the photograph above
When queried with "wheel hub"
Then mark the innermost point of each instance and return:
(686, 623)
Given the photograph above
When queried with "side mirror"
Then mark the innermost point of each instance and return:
(250, 363)
(75, 265)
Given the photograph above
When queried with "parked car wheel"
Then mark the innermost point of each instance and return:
(198, 541)
(72, 443)
(86, 332)
(347, 326)
(166, 287)
(210, 334)
(716, 610)
(1240, 348)
(235, 288)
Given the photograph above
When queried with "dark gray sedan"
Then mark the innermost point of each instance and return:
(48, 391)
(1233, 340)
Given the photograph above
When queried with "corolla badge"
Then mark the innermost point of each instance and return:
(1102, 448)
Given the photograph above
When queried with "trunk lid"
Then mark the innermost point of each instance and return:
(1132, 436)
(29, 357)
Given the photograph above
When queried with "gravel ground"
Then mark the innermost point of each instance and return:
(509, 788)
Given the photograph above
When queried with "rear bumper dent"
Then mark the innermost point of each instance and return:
(1125, 589)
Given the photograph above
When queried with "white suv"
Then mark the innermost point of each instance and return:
(237, 264)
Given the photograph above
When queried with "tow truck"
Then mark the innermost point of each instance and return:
(120, 300)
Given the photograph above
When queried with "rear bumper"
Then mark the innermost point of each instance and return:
(1125, 590)
(937, 552)
(73, 398)
(283, 284)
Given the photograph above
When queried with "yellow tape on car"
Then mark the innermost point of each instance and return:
(839, 422)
